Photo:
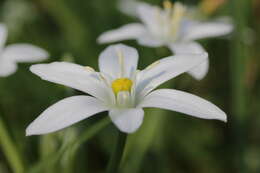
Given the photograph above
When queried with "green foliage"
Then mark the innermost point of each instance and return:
(168, 141)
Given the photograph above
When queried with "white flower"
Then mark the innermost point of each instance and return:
(172, 27)
(120, 89)
(15, 53)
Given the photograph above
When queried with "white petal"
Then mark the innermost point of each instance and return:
(149, 41)
(123, 99)
(183, 102)
(166, 69)
(149, 15)
(127, 32)
(65, 113)
(186, 47)
(7, 67)
(118, 61)
(208, 29)
(74, 76)
(3, 35)
(127, 120)
(129, 7)
(201, 70)
(24, 53)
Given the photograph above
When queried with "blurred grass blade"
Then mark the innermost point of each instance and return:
(239, 55)
(74, 31)
(10, 150)
(48, 145)
(74, 145)
(116, 158)
(140, 142)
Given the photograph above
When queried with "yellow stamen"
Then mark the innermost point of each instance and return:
(89, 69)
(121, 84)
(177, 15)
(167, 4)
(210, 6)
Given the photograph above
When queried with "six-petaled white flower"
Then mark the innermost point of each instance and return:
(172, 27)
(16, 53)
(120, 89)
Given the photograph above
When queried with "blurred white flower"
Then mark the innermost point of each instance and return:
(173, 27)
(16, 14)
(120, 89)
(16, 53)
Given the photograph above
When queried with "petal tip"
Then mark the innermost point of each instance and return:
(223, 117)
(45, 55)
(127, 131)
(100, 40)
(42, 54)
(31, 130)
(36, 69)
(33, 68)
(28, 131)
(204, 55)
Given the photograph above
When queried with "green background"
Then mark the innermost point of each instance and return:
(168, 142)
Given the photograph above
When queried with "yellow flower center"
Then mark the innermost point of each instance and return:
(121, 84)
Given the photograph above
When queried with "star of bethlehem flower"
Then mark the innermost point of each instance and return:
(16, 53)
(173, 26)
(120, 89)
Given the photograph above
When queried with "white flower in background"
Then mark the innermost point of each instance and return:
(171, 26)
(16, 53)
(120, 89)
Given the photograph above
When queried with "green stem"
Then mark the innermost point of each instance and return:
(239, 55)
(114, 162)
(150, 132)
(10, 150)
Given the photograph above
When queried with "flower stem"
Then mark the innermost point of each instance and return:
(10, 150)
(114, 162)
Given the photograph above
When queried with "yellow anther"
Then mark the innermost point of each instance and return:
(121, 84)
(210, 6)
(177, 16)
(167, 4)
(89, 69)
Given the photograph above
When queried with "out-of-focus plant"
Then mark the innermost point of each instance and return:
(17, 53)
(173, 27)
(17, 13)
(9, 57)
(208, 7)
